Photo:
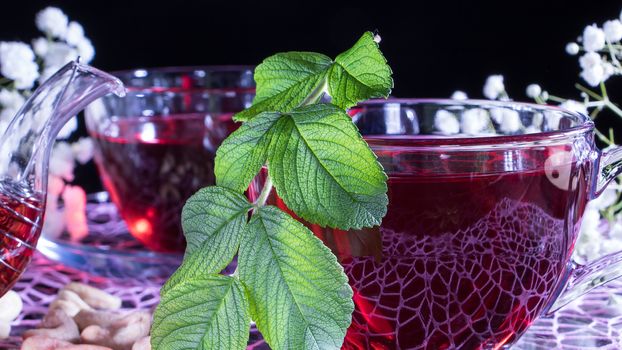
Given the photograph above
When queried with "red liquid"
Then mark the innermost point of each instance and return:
(20, 226)
(151, 166)
(462, 261)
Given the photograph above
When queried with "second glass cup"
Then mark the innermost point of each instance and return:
(156, 147)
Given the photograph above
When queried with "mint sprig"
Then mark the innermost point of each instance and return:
(287, 280)
(324, 171)
(299, 295)
(288, 80)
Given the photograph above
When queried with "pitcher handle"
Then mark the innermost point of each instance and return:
(583, 278)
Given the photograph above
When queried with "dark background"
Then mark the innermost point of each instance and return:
(434, 47)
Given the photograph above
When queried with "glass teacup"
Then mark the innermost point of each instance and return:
(155, 147)
(485, 204)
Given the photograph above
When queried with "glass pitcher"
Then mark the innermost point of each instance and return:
(24, 155)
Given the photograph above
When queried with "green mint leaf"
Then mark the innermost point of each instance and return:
(213, 220)
(359, 74)
(324, 171)
(240, 157)
(210, 312)
(287, 80)
(299, 294)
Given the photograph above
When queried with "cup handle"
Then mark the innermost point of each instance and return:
(583, 278)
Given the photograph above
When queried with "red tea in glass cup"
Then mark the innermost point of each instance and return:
(155, 147)
(480, 228)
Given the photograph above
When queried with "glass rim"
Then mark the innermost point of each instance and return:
(132, 72)
(585, 125)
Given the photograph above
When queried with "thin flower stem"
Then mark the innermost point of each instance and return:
(595, 112)
(314, 97)
(612, 54)
(614, 108)
(556, 99)
(4, 80)
(616, 207)
(588, 91)
(603, 90)
(602, 137)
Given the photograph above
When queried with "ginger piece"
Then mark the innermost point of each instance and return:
(94, 297)
(142, 344)
(56, 324)
(70, 302)
(68, 295)
(5, 329)
(104, 319)
(10, 305)
(120, 334)
(40, 342)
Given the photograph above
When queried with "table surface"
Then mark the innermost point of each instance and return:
(592, 322)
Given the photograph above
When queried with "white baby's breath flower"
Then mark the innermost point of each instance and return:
(609, 68)
(68, 129)
(446, 122)
(474, 121)
(593, 38)
(511, 122)
(608, 246)
(573, 106)
(494, 87)
(594, 69)
(496, 114)
(85, 50)
(552, 119)
(613, 30)
(40, 46)
(17, 62)
(537, 119)
(11, 99)
(594, 75)
(572, 48)
(607, 198)
(10, 103)
(58, 55)
(54, 222)
(590, 59)
(588, 245)
(62, 161)
(75, 33)
(616, 230)
(508, 119)
(83, 150)
(459, 95)
(52, 21)
(6, 115)
(533, 90)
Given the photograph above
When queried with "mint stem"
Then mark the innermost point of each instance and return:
(316, 95)
(265, 193)
(313, 98)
